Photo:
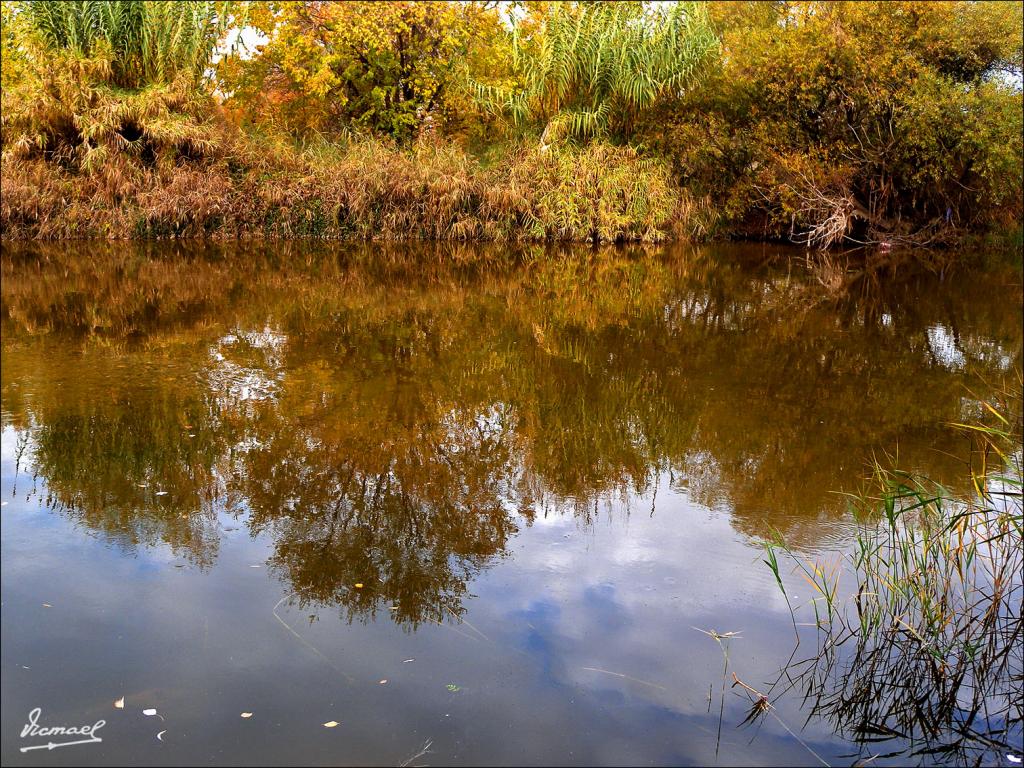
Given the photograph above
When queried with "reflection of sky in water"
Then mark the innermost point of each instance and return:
(259, 381)
(577, 648)
(948, 350)
(587, 498)
(944, 346)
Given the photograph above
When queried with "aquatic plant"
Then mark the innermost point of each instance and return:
(935, 623)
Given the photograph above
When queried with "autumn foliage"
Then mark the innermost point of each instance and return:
(823, 123)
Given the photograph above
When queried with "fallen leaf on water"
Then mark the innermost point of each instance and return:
(331, 724)
(382, 682)
(160, 736)
(359, 585)
(149, 712)
(119, 704)
(247, 714)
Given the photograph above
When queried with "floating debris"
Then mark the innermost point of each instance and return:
(624, 677)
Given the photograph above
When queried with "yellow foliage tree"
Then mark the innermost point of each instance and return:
(387, 67)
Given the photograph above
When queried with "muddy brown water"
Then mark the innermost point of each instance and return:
(472, 506)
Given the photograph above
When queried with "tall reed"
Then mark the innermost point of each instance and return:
(935, 622)
(592, 69)
(145, 42)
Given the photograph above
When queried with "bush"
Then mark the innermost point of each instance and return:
(858, 122)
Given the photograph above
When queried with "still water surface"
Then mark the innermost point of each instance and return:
(448, 499)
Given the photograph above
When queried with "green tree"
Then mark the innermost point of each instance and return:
(858, 121)
(385, 67)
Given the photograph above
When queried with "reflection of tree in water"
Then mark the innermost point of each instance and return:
(412, 523)
(135, 465)
(393, 424)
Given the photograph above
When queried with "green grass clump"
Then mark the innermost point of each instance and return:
(935, 622)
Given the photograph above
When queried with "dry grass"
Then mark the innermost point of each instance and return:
(239, 186)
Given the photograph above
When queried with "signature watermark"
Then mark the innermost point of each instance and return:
(33, 729)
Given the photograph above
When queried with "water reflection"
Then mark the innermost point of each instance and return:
(392, 418)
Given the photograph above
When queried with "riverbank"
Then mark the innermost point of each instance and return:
(248, 187)
(365, 189)
(825, 126)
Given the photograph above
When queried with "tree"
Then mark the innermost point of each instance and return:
(385, 67)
